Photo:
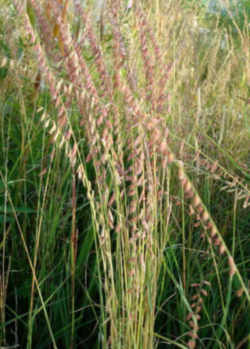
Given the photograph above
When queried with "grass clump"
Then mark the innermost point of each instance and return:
(129, 129)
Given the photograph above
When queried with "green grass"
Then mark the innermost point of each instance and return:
(130, 229)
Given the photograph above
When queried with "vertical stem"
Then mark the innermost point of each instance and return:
(35, 258)
(74, 237)
(183, 242)
(25, 246)
(3, 275)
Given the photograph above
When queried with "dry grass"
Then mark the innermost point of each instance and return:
(134, 98)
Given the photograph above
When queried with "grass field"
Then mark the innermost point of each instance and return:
(124, 175)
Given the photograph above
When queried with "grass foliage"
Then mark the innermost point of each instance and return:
(124, 176)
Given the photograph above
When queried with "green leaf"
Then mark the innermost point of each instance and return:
(31, 14)
(3, 73)
(9, 210)
(5, 49)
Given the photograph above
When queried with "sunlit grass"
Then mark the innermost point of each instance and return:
(124, 188)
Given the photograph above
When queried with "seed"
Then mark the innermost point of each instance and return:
(200, 209)
(239, 292)
(191, 210)
(198, 309)
(184, 181)
(193, 334)
(196, 201)
(191, 344)
(187, 187)
(204, 292)
(231, 266)
(181, 173)
(170, 158)
(217, 242)
(213, 231)
(164, 147)
(222, 248)
(205, 216)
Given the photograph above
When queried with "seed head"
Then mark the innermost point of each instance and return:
(232, 266)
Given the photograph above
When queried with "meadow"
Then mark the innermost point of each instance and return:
(124, 174)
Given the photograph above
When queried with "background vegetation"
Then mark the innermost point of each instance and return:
(124, 175)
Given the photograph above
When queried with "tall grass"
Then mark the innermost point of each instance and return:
(125, 212)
